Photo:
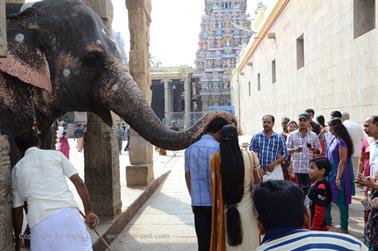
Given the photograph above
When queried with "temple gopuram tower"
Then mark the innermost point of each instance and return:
(225, 29)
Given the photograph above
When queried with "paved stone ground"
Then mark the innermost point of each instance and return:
(356, 216)
(165, 222)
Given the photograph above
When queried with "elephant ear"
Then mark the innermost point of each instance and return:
(34, 74)
(26, 59)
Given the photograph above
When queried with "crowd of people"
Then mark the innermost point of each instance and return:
(279, 194)
(276, 195)
(121, 135)
(63, 144)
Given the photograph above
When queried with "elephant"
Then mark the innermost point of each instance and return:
(62, 59)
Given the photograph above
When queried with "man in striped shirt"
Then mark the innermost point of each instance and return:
(303, 144)
(283, 229)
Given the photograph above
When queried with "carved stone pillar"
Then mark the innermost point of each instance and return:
(3, 31)
(101, 155)
(167, 100)
(15, 1)
(102, 167)
(6, 230)
(140, 172)
(187, 103)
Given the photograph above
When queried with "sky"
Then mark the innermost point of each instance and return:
(174, 30)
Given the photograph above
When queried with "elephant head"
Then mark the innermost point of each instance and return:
(61, 59)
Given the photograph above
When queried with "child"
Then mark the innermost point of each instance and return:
(319, 195)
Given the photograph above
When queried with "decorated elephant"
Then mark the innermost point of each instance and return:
(61, 59)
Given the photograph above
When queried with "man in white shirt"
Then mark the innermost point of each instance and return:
(53, 215)
(371, 129)
(357, 135)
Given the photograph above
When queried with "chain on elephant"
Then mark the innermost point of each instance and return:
(6, 231)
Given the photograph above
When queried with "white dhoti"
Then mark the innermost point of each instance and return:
(61, 231)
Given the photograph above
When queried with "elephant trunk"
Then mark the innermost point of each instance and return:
(126, 100)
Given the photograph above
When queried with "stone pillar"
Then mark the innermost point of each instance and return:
(101, 154)
(15, 1)
(3, 32)
(167, 101)
(101, 169)
(104, 9)
(6, 229)
(140, 172)
(170, 101)
(187, 100)
(205, 102)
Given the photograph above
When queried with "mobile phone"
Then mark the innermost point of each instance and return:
(365, 203)
(309, 145)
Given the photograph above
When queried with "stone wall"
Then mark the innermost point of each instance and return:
(340, 72)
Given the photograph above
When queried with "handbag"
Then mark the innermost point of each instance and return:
(254, 161)
(276, 174)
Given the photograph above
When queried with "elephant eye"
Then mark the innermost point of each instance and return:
(92, 61)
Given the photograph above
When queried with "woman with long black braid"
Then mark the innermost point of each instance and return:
(233, 221)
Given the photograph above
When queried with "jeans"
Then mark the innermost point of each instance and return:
(344, 214)
(202, 224)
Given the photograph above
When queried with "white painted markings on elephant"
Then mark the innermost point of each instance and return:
(115, 87)
(66, 72)
(20, 37)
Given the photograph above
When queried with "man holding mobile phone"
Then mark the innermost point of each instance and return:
(302, 145)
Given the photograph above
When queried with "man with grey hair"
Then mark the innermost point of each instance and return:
(371, 129)
(284, 122)
(356, 134)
